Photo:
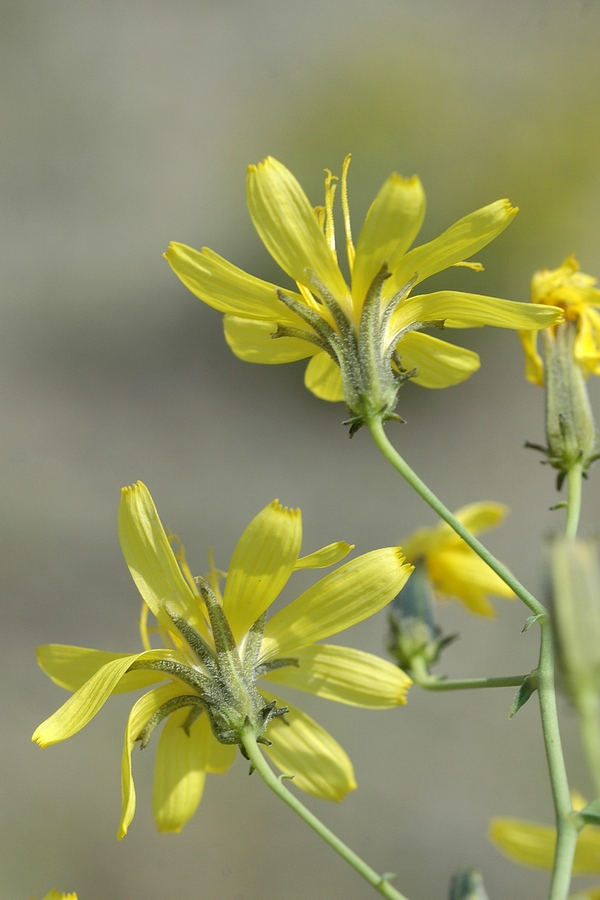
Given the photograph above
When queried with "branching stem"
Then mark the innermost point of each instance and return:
(566, 825)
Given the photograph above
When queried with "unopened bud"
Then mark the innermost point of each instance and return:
(414, 640)
(467, 885)
(570, 428)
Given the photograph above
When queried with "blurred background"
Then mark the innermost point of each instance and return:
(126, 125)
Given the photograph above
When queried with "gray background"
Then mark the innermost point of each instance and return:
(126, 125)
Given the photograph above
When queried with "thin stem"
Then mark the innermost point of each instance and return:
(466, 684)
(566, 826)
(379, 882)
(392, 455)
(421, 676)
(574, 480)
(587, 701)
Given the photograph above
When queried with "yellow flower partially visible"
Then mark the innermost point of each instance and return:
(531, 844)
(575, 293)
(454, 570)
(363, 339)
(215, 647)
(57, 895)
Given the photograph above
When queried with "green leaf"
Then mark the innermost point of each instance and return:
(530, 621)
(591, 813)
(528, 687)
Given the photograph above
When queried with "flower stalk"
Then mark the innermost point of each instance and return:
(380, 883)
(391, 454)
(566, 825)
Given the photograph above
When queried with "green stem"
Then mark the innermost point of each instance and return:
(421, 676)
(392, 455)
(586, 701)
(574, 479)
(381, 883)
(566, 825)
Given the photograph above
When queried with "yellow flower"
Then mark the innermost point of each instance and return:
(217, 645)
(452, 567)
(363, 340)
(531, 844)
(574, 293)
(57, 895)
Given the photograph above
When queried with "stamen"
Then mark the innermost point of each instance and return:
(475, 266)
(144, 627)
(350, 251)
(330, 187)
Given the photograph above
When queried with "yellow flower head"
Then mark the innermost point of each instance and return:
(365, 339)
(216, 646)
(452, 567)
(575, 293)
(57, 895)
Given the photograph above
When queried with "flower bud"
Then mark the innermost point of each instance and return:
(570, 428)
(467, 885)
(414, 640)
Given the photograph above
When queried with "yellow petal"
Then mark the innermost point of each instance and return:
(141, 712)
(456, 244)
(71, 667)
(88, 700)
(323, 378)
(439, 364)
(305, 750)
(534, 367)
(151, 560)
(253, 341)
(391, 225)
(57, 895)
(460, 310)
(223, 286)
(261, 564)
(478, 517)
(533, 845)
(458, 572)
(289, 229)
(179, 773)
(346, 675)
(524, 842)
(420, 543)
(326, 556)
(353, 592)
